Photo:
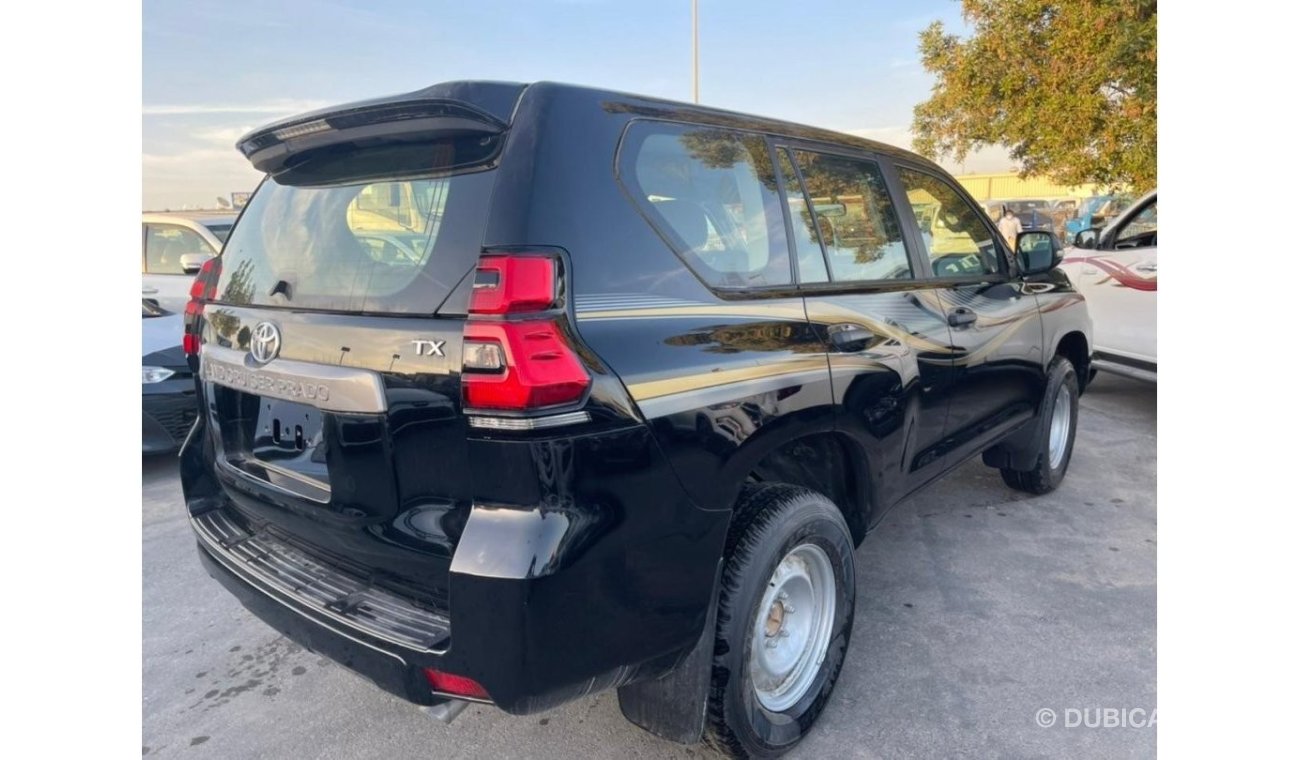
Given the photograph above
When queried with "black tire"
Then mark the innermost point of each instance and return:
(1043, 477)
(771, 520)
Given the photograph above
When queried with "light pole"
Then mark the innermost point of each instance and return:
(695, 49)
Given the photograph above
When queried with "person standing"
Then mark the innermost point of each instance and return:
(1009, 226)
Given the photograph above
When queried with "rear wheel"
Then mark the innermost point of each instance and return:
(785, 614)
(1058, 416)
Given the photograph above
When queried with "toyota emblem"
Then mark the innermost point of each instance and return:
(265, 344)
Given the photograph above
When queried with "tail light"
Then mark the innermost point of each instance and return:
(460, 686)
(518, 362)
(203, 290)
(513, 285)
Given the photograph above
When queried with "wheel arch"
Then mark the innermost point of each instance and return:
(828, 462)
(1074, 347)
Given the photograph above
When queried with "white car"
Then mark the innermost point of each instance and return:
(1115, 269)
(173, 248)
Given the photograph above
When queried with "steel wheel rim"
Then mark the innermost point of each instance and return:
(792, 630)
(1059, 432)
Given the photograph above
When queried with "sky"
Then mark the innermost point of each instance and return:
(214, 70)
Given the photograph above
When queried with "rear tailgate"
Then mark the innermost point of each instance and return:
(332, 349)
(310, 444)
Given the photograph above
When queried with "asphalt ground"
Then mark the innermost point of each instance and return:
(979, 609)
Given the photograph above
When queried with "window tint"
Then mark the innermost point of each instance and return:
(713, 193)
(857, 222)
(164, 244)
(807, 245)
(952, 231)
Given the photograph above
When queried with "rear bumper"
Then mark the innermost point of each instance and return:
(546, 604)
(532, 643)
(386, 669)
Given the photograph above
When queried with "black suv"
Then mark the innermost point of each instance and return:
(513, 393)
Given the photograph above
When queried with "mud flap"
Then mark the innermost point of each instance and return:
(673, 706)
(1018, 451)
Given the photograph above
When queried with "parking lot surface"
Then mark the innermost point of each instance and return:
(978, 609)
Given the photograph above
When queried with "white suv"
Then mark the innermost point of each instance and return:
(173, 247)
(1115, 269)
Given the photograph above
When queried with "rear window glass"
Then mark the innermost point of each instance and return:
(378, 244)
(712, 193)
(855, 218)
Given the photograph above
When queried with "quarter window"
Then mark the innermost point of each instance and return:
(855, 218)
(712, 193)
(164, 244)
(955, 237)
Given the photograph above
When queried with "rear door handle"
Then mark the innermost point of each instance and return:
(961, 316)
(1146, 268)
(148, 291)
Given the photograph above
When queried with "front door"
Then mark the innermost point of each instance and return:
(993, 319)
(1119, 282)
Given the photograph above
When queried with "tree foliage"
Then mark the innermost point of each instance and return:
(1068, 86)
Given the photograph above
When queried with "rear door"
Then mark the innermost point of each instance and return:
(995, 328)
(332, 354)
(885, 331)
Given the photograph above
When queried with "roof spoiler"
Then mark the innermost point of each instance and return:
(436, 111)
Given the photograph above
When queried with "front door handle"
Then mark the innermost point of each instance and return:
(847, 336)
(1145, 268)
(961, 316)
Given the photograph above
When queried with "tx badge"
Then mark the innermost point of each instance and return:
(429, 347)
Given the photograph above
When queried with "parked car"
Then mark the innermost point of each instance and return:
(166, 381)
(173, 247)
(1115, 269)
(656, 370)
(1096, 211)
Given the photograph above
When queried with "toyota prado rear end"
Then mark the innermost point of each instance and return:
(407, 459)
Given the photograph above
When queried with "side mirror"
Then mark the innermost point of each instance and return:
(191, 263)
(1086, 238)
(1037, 251)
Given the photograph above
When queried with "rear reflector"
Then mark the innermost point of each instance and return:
(520, 365)
(512, 284)
(447, 683)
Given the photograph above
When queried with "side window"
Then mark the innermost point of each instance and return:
(807, 245)
(855, 217)
(956, 239)
(164, 244)
(1140, 230)
(712, 192)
